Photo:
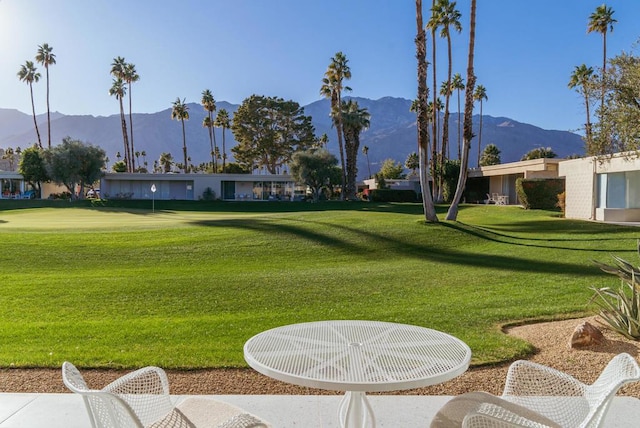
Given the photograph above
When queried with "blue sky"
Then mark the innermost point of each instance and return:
(525, 51)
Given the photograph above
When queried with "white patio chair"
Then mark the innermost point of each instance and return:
(141, 400)
(548, 393)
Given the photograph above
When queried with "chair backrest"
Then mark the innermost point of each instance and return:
(622, 369)
(105, 410)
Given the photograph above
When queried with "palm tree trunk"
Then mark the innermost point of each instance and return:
(480, 135)
(434, 122)
(459, 124)
(184, 148)
(452, 213)
(131, 149)
(341, 148)
(35, 121)
(48, 110)
(125, 137)
(224, 150)
(422, 119)
(215, 145)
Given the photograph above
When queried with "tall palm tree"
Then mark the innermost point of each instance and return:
(423, 118)
(165, 161)
(118, 67)
(433, 25)
(180, 111)
(457, 83)
(223, 121)
(582, 79)
(445, 90)
(130, 75)
(365, 152)
(452, 213)
(447, 16)
(332, 87)
(355, 120)
(28, 73)
(601, 21)
(119, 90)
(480, 94)
(46, 58)
(209, 104)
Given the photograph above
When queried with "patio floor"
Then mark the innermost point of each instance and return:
(282, 411)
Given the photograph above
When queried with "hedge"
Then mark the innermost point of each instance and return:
(539, 193)
(392, 195)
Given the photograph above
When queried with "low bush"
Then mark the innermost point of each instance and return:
(392, 195)
(539, 193)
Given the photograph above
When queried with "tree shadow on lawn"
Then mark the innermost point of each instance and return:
(390, 247)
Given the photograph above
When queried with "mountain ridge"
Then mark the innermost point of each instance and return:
(392, 133)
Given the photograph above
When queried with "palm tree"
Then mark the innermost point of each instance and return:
(332, 87)
(447, 16)
(119, 90)
(457, 83)
(365, 152)
(433, 25)
(209, 104)
(582, 78)
(46, 58)
(130, 75)
(422, 116)
(601, 21)
(452, 213)
(480, 94)
(180, 111)
(355, 120)
(165, 161)
(223, 121)
(29, 75)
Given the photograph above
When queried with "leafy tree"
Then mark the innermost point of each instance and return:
(412, 162)
(180, 111)
(490, 155)
(209, 104)
(236, 168)
(582, 80)
(10, 155)
(33, 168)
(268, 131)
(391, 170)
(223, 121)
(539, 153)
(28, 74)
(313, 168)
(354, 121)
(332, 87)
(74, 163)
(619, 126)
(46, 58)
(422, 113)
(480, 94)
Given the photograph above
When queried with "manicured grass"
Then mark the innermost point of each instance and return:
(115, 285)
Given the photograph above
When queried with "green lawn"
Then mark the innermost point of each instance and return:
(106, 286)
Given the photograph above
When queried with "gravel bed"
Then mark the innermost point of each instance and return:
(550, 340)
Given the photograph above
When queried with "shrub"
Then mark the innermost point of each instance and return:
(620, 307)
(208, 194)
(392, 195)
(539, 193)
(562, 197)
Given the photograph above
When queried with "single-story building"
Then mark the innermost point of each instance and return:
(501, 179)
(603, 188)
(228, 187)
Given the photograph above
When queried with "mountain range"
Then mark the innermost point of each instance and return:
(392, 133)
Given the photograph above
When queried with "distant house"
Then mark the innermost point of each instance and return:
(228, 187)
(501, 179)
(603, 189)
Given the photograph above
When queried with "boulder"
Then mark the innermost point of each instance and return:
(586, 334)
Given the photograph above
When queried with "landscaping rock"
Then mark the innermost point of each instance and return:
(586, 334)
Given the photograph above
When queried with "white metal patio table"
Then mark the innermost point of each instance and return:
(357, 357)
